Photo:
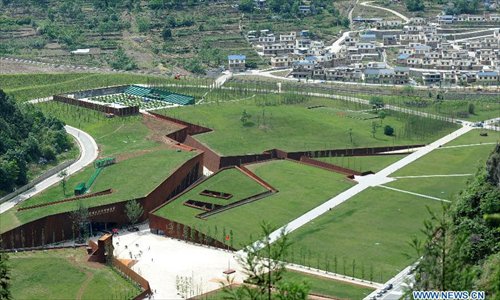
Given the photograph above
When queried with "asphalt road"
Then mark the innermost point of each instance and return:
(88, 153)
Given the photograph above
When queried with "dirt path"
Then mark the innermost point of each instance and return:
(85, 284)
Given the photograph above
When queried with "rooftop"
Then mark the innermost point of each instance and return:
(236, 57)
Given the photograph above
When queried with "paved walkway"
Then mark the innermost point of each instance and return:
(364, 182)
(88, 153)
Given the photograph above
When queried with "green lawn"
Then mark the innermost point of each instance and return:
(473, 137)
(300, 187)
(230, 181)
(65, 274)
(463, 160)
(440, 187)
(293, 127)
(329, 287)
(30, 86)
(318, 285)
(373, 163)
(370, 230)
(130, 140)
(484, 107)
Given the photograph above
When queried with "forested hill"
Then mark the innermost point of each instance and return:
(26, 137)
(462, 251)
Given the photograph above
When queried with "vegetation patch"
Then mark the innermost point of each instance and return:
(446, 161)
(140, 155)
(372, 163)
(300, 187)
(284, 122)
(366, 237)
(65, 274)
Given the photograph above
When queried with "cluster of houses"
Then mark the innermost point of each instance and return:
(420, 52)
(451, 19)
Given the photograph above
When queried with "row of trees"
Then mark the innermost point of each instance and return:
(452, 7)
(27, 137)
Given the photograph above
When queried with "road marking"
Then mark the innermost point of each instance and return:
(415, 194)
(429, 176)
(467, 145)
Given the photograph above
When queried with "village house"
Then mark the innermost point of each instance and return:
(237, 62)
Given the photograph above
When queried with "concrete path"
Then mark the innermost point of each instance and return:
(88, 153)
(364, 182)
(367, 4)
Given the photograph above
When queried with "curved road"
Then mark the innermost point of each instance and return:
(367, 4)
(88, 153)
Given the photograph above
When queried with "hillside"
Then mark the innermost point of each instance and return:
(27, 138)
(462, 250)
(166, 36)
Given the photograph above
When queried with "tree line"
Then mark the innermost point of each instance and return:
(27, 137)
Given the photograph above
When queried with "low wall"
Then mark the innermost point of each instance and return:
(100, 92)
(133, 276)
(327, 166)
(180, 231)
(37, 180)
(211, 160)
(121, 112)
(347, 151)
(192, 129)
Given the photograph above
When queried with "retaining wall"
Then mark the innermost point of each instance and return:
(329, 167)
(121, 112)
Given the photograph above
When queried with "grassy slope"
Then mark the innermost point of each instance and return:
(444, 187)
(328, 287)
(363, 163)
(372, 229)
(301, 188)
(485, 109)
(287, 127)
(115, 137)
(230, 181)
(59, 274)
(464, 160)
(474, 137)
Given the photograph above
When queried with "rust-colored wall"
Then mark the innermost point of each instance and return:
(347, 151)
(124, 111)
(211, 160)
(192, 129)
(183, 232)
(327, 166)
(134, 276)
(183, 177)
